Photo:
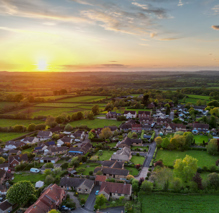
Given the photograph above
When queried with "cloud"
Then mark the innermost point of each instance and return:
(180, 4)
(152, 35)
(35, 9)
(143, 6)
(216, 9)
(215, 27)
(82, 2)
(112, 61)
(168, 39)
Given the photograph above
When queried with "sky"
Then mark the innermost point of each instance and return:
(109, 35)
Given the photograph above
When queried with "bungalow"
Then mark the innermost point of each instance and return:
(126, 126)
(136, 128)
(144, 114)
(58, 150)
(116, 190)
(64, 140)
(112, 114)
(13, 145)
(113, 164)
(100, 179)
(15, 160)
(127, 142)
(171, 128)
(49, 160)
(81, 185)
(6, 207)
(50, 143)
(130, 114)
(4, 166)
(79, 135)
(162, 121)
(148, 120)
(119, 174)
(146, 127)
(30, 140)
(80, 150)
(122, 155)
(44, 135)
(14, 152)
(51, 198)
(199, 127)
(57, 129)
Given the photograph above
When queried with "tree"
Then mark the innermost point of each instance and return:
(212, 147)
(100, 200)
(128, 206)
(176, 184)
(68, 127)
(49, 165)
(188, 139)
(147, 186)
(186, 168)
(95, 109)
(54, 211)
(51, 121)
(106, 133)
(90, 116)
(158, 141)
(20, 192)
(165, 143)
(47, 172)
(135, 185)
(80, 115)
(213, 181)
(31, 128)
(2, 160)
(145, 100)
(49, 179)
(197, 178)
(91, 134)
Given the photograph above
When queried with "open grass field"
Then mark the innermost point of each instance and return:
(28, 176)
(106, 155)
(97, 123)
(204, 159)
(201, 138)
(7, 136)
(137, 160)
(194, 98)
(132, 171)
(87, 168)
(56, 104)
(83, 99)
(137, 109)
(5, 104)
(11, 122)
(172, 203)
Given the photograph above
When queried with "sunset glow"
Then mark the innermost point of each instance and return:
(42, 65)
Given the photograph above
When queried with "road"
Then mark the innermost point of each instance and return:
(109, 210)
(89, 205)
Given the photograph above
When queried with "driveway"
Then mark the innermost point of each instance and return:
(109, 210)
(75, 199)
(89, 205)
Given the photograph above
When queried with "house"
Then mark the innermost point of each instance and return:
(144, 114)
(112, 114)
(130, 114)
(58, 150)
(80, 150)
(57, 129)
(49, 160)
(44, 135)
(163, 121)
(99, 179)
(122, 155)
(172, 127)
(112, 128)
(14, 152)
(64, 140)
(2, 176)
(50, 143)
(116, 190)
(119, 174)
(136, 128)
(113, 164)
(148, 120)
(79, 135)
(126, 126)
(146, 127)
(30, 140)
(5, 207)
(40, 149)
(127, 142)
(199, 128)
(51, 198)
(4, 166)
(15, 160)
(13, 145)
(151, 106)
(82, 185)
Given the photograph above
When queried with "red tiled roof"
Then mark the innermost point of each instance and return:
(100, 178)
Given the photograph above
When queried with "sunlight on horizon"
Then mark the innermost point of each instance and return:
(42, 65)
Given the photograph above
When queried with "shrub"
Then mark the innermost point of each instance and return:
(137, 154)
(91, 172)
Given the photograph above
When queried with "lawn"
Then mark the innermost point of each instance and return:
(30, 150)
(28, 176)
(194, 98)
(12, 122)
(201, 138)
(84, 196)
(97, 123)
(87, 168)
(173, 203)
(108, 144)
(7, 136)
(83, 99)
(132, 171)
(137, 160)
(106, 155)
(204, 159)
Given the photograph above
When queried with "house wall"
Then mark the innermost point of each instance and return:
(105, 194)
(7, 210)
(84, 189)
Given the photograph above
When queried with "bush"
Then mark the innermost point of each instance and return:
(137, 154)
(91, 172)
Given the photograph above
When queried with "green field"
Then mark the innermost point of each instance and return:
(137, 160)
(204, 159)
(201, 138)
(69, 105)
(87, 167)
(83, 99)
(106, 155)
(12, 122)
(7, 136)
(173, 203)
(194, 98)
(5, 104)
(97, 123)
(28, 176)
(132, 171)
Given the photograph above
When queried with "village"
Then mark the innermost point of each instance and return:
(85, 170)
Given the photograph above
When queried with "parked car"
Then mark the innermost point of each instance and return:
(97, 192)
(34, 170)
(77, 140)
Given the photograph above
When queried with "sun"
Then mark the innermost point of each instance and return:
(42, 65)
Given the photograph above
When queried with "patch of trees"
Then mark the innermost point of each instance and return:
(60, 92)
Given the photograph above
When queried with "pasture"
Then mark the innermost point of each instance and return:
(97, 123)
(180, 203)
(204, 159)
(83, 99)
(7, 136)
(12, 122)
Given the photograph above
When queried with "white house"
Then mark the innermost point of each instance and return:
(130, 114)
(44, 135)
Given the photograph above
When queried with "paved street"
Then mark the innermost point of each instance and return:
(109, 210)
(89, 205)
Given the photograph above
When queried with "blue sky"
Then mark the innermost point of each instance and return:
(95, 35)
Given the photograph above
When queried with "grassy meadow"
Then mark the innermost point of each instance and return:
(6, 136)
(13, 122)
(83, 99)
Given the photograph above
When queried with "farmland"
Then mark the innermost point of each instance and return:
(83, 99)
(12, 122)
(172, 203)
(204, 159)
(6, 136)
(194, 98)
